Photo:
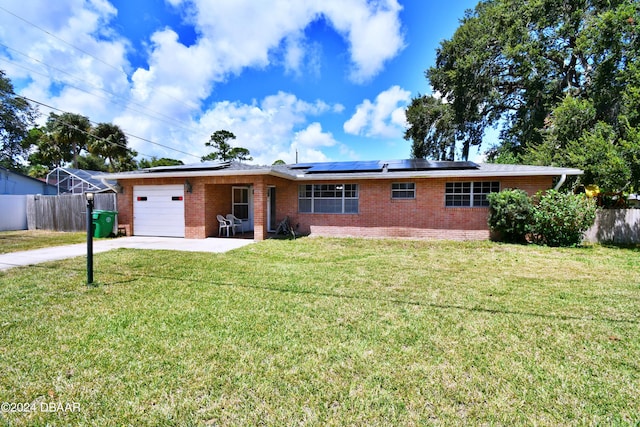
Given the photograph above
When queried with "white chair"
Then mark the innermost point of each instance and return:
(223, 224)
(237, 222)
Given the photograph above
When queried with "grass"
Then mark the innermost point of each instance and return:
(15, 241)
(328, 332)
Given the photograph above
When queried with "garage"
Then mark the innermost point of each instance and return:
(158, 210)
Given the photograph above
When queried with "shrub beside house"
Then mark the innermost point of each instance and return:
(549, 218)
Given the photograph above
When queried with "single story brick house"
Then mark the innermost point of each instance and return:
(397, 198)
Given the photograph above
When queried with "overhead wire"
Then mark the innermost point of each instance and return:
(126, 133)
(103, 90)
(69, 125)
(125, 106)
(61, 40)
(120, 70)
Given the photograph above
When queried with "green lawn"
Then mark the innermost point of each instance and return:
(327, 332)
(14, 241)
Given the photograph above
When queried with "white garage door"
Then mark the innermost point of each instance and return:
(158, 210)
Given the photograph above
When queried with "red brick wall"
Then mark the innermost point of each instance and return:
(210, 196)
(125, 209)
(379, 215)
(286, 197)
(218, 202)
(423, 217)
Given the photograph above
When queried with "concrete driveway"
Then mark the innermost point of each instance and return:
(36, 256)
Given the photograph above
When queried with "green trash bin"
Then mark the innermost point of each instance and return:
(103, 222)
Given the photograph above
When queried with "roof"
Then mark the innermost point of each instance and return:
(26, 177)
(80, 180)
(372, 169)
(35, 183)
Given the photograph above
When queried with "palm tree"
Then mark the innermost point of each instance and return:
(69, 133)
(109, 142)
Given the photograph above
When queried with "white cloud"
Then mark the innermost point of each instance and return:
(373, 30)
(243, 33)
(313, 136)
(164, 99)
(383, 118)
(271, 130)
(65, 57)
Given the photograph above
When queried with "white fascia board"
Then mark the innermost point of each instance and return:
(451, 174)
(185, 174)
(427, 175)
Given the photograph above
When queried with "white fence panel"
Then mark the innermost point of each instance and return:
(13, 212)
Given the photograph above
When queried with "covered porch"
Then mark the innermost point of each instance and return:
(250, 199)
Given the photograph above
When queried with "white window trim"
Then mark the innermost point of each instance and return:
(398, 190)
(471, 194)
(342, 198)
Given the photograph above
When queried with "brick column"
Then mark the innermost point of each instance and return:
(194, 212)
(125, 207)
(259, 209)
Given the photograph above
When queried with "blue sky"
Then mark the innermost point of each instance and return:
(328, 79)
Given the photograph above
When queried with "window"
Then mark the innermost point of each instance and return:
(469, 194)
(240, 202)
(403, 190)
(328, 198)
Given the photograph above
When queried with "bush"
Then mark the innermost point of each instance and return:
(561, 219)
(510, 215)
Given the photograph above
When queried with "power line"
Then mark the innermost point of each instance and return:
(126, 133)
(120, 70)
(74, 127)
(112, 95)
(126, 106)
(64, 41)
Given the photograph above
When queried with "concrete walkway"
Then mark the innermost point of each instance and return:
(36, 256)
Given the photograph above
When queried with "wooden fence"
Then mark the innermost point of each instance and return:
(621, 226)
(65, 212)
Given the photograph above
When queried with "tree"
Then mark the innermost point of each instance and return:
(155, 162)
(573, 137)
(61, 140)
(17, 116)
(512, 63)
(38, 171)
(109, 142)
(240, 153)
(46, 153)
(431, 129)
(92, 162)
(223, 150)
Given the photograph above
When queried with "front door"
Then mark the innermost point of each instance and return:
(271, 209)
(242, 205)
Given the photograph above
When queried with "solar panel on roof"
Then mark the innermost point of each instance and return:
(378, 166)
(191, 167)
(301, 165)
(423, 164)
(368, 166)
(408, 164)
(329, 167)
(455, 165)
